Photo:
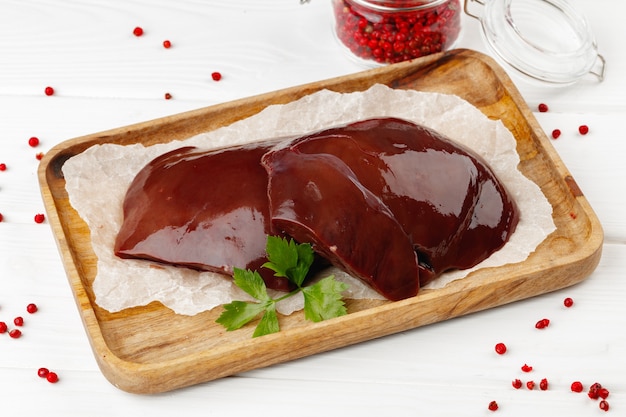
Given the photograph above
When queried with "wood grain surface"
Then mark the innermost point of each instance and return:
(150, 349)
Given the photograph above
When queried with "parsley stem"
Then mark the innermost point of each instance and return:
(294, 292)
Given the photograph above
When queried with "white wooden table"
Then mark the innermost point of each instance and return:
(104, 77)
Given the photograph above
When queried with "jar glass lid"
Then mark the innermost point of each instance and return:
(544, 39)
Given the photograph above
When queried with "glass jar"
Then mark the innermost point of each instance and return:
(546, 40)
(389, 31)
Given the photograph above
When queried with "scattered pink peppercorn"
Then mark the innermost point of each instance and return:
(604, 405)
(167, 44)
(530, 385)
(216, 76)
(527, 368)
(3, 167)
(42, 372)
(1, 217)
(603, 393)
(594, 390)
(556, 133)
(543, 384)
(577, 386)
(493, 406)
(31, 308)
(583, 129)
(3, 327)
(568, 302)
(542, 324)
(49, 91)
(39, 218)
(168, 96)
(18, 321)
(542, 107)
(500, 348)
(33, 142)
(15, 333)
(517, 383)
(52, 377)
(39, 156)
(138, 31)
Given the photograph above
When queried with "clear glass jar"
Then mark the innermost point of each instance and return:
(389, 31)
(546, 40)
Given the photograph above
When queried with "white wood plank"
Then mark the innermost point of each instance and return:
(105, 77)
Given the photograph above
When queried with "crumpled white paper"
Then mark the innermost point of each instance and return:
(97, 180)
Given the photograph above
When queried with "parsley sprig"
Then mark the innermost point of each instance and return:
(293, 261)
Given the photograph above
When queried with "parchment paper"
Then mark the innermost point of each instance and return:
(97, 180)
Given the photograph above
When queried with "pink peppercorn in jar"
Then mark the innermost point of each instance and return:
(390, 31)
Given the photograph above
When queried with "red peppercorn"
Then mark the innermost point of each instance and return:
(31, 308)
(603, 393)
(1, 217)
(216, 76)
(33, 142)
(138, 31)
(39, 156)
(568, 302)
(493, 406)
(594, 390)
(542, 324)
(583, 129)
(543, 384)
(556, 133)
(3, 167)
(168, 96)
(530, 385)
(15, 333)
(49, 91)
(39, 218)
(18, 321)
(3, 327)
(52, 377)
(517, 383)
(527, 368)
(42, 372)
(543, 107)
(167, 44)
(500, 348)
(604, 405)
(577, 386)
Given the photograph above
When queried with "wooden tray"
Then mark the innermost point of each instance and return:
(151, 349)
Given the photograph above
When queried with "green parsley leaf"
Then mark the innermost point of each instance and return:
(251, 282)
(282, 255)
(268, 323)
(305, 260)
(323, 299)
(238, 313)
(288, 259)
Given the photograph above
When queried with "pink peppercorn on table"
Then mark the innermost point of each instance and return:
(71, 70)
